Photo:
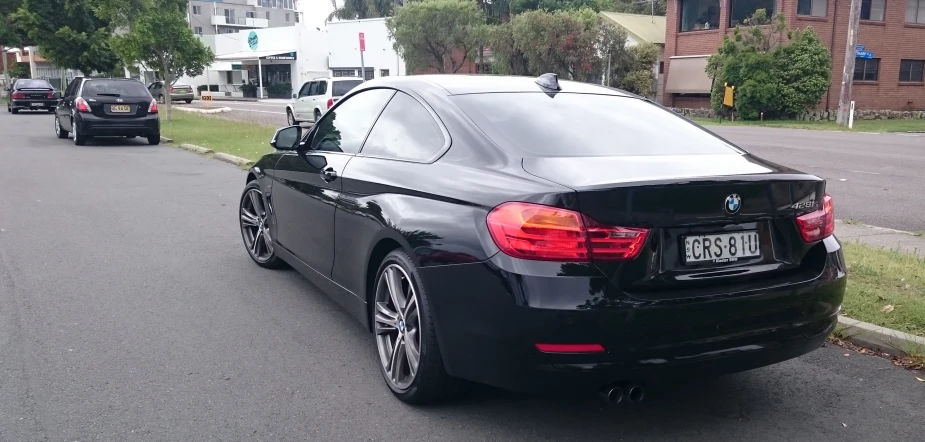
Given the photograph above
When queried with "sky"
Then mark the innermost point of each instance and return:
(315, 11)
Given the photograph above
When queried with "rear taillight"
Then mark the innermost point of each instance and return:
(570, 348)
(330, 102)
(81, 105)
(536, 232)
(152, 108)
(51, 95)
(820, 224)
(18, 96)
(171, 90)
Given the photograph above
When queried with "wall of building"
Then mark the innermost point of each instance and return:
(891, 40)
(344, 50)
(276, 17)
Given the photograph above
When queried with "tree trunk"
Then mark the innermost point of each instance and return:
(168, 83)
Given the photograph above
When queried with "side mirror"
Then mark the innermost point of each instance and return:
(295, 96)
(287, 138)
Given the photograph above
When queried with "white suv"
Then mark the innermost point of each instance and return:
(317, 96)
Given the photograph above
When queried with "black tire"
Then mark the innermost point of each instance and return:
(154, 140)
(188, 101)
(79, 139)
(317, 115)
(14, 111)
(271, 262)
(431, 382)
(51, 111)
(290, 118)
(59, 131)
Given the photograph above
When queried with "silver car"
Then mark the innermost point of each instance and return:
(178, 92)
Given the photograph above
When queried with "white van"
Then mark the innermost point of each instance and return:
(317, 96)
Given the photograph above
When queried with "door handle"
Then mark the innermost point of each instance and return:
(328, 174)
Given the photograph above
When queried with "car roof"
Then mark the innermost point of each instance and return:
(458, 84)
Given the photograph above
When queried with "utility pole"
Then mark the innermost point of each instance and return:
(844, 100)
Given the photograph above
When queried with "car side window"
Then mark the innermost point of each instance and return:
(343, 128)
(405, 131)
(322, 88)
(312, 88)
(304, 91)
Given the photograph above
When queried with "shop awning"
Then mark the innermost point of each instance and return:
(254, 55)
(687, 75)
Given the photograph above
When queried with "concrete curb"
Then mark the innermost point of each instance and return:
(204, 111)
(166, 140)
(196, 149)
(237, 161)
(878, 338)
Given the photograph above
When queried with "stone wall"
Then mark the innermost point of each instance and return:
(822, 114)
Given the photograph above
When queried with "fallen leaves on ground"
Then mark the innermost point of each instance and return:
(911, 362)
(887, 308)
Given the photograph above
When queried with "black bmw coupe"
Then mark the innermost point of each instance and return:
(545, 235)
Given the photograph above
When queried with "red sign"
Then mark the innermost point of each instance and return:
(362, 42)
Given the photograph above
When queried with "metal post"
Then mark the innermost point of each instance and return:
(362, 67)
(259, 79)
(6, 69)
(851, 117)
(848, 70)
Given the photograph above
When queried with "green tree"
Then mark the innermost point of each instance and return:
(157, 36)
(360, 9)
(560, 5)
(68, 33)
(438, 34)
(804, 70)
(635, 71)
(637, 7)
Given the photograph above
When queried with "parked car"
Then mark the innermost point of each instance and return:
(545, 235)
(29, 94)
(105, 107)
(317, 96)
(178, 92)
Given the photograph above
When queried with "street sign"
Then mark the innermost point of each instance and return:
(864, 54)
(860, 48)
(362, 42)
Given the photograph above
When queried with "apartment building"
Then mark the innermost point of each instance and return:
(890, 56)
(210, 17)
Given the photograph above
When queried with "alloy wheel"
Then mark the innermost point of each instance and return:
(254, 226)
(290, 117)
(398, 327)
(74, 131)
(57, 127)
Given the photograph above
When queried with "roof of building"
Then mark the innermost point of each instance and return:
(647, 28)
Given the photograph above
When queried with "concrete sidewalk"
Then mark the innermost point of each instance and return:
(899, 240)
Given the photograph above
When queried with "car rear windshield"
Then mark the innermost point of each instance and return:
(114, 88)
(342, 87)
(567, 124)
(32, 84)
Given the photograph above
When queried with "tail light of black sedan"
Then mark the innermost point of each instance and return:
(818, 225)
(538, 232)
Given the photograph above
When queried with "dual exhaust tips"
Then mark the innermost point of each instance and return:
(616, 393)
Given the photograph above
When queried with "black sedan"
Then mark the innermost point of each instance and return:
(107, 107)
(540, 235)
(35, 95)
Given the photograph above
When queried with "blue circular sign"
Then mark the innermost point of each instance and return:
(252, 40)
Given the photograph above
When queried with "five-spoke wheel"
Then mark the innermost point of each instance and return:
(398, 327)
(254, 228)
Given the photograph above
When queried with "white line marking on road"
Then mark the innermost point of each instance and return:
(843, 179)
(861, 171)
(869, 133)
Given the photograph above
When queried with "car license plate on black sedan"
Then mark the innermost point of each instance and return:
(120, 108)
(38, 104)
(722, 247)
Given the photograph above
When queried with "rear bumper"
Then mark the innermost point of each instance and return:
(182, 97)
(44, 104)
(93, 126)
(490, 316)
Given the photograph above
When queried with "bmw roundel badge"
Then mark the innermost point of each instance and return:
(733, 204)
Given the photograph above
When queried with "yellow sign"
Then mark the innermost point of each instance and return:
(729, 95)
(205, 97)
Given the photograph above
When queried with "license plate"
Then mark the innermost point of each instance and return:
(38, 104)
(121, 108)
(723, 247)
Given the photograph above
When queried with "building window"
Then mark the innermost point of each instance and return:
(872, 9)
(344, 72)
(911, 70)
(866, 69)
(812, 8)
(383, 72)
(287, 17)
(197, 10)
(251, 14)
(699, 14)
(197, 30)
(297, 16)
(661, 67)
(743, 9)
(915, 11)
(268, 15)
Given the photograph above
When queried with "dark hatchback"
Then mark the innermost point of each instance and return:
(107, 107)
(540, 235)
(34, 95)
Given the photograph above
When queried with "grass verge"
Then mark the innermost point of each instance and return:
(859, 125)
(245, 140)
(885, 288)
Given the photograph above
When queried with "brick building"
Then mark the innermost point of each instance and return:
(891, 41)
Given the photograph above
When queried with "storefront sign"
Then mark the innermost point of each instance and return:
(253, 40)
(286, 56)
(235, 67)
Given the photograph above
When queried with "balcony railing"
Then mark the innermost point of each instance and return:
(243, 22)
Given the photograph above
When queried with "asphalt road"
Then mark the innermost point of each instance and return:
(874, 178)
(129, 311)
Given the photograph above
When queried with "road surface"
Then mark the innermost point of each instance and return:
(129, 311)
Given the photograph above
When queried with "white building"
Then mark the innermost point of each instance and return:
(379, 59)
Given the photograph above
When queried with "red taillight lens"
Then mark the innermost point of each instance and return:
(51, 95)
(18, 96)
(330, 102)
(81, 105)
(171, 89)
(820, 224)
(570, 348)
(152, 108)
(536, 232)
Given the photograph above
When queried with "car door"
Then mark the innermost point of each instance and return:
(301, 103)
(307, 184)
(155, 89)
(65, 107)
(320, 97)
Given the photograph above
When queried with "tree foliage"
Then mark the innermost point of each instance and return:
(158, 37)
(69, 34)
(10, 34)
(770, 77)
(638, 7)
(360, 9)
(437, 34)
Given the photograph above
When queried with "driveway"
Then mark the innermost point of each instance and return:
(130, 311)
